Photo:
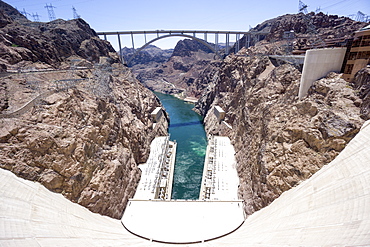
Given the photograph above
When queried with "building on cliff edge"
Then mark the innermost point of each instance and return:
(359, 56)
(348, 59)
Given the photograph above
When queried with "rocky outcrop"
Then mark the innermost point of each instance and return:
(327, 26)
(86, 139)
(361, 83)
(51, 43)
(179, 74)
(151, 56)
(279, 140)
(72, 118)
(185, 48)
(310, 31)
(9, 13)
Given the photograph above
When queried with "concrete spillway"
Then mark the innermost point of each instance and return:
(332, 208)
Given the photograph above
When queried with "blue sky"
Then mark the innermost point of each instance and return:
(129, 15)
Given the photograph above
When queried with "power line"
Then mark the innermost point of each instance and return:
(330, 6)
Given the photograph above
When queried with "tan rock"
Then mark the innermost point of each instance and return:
(279, 141)
(82, 145)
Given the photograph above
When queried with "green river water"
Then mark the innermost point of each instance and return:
(187, 130)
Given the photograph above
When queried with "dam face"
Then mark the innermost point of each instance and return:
(209, 206)
(329, 209)
(158, 218)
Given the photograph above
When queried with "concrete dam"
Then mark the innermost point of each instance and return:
(332, 208)
(329, 209)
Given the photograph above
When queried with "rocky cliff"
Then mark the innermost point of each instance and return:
(362, 84)
(310, 31)
(279, 140)
(151, 56)
(179, 73)
(72, 118)
(51, 43)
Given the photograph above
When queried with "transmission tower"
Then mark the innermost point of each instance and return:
(75, 15)
(51, 13)
(311, 28)
(35, 17)
(360, 16)
(302, 7)
(23, 12)
(352, 16)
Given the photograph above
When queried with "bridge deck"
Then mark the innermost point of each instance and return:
(175, 31)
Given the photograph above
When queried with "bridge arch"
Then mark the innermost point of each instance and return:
(172, 35)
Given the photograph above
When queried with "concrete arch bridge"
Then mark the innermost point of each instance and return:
(250, 39)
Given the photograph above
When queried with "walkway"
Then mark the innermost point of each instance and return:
(332, 208)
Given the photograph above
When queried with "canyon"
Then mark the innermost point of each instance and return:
(76, 120)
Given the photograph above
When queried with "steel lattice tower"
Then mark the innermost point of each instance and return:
(75, 15)
(35, 17)
(24, 13)
(51, 13)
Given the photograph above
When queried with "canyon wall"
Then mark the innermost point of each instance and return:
(72, 117)
(279, 140)
(178, 75)
(309, 31)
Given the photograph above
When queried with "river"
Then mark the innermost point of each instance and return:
(187, 130)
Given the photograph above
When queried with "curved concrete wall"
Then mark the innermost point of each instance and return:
(317, 64)
(332, 208)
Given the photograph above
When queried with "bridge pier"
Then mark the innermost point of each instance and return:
(227, 43)
(216, 42)
(132, 41)
(120, 48)
(247, 40)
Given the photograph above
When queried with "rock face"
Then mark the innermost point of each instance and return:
(311, 30)
(150, 56)
(179, 74)
(80, 129)
(279, 140)
(51, 43)
(361, 82)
